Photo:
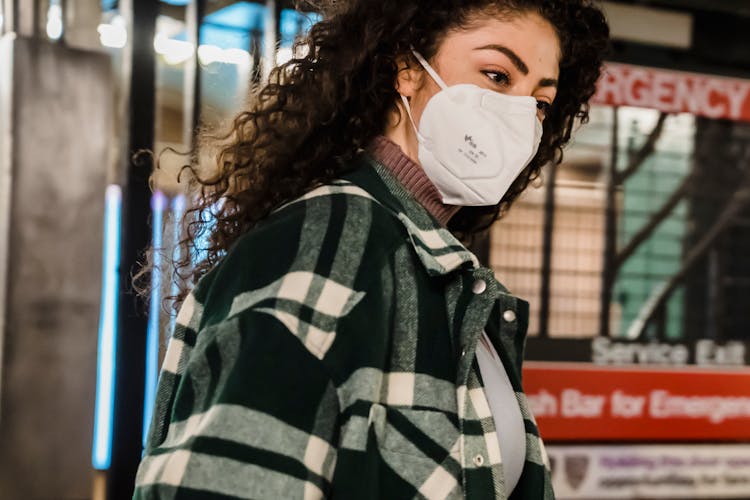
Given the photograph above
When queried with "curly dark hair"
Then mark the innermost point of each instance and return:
(318, 110)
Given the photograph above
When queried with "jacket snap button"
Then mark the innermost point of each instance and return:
(479, 287)
(478, 460)
(509, 316)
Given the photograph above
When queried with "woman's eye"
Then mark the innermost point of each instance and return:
(498, 77)
(544, 107)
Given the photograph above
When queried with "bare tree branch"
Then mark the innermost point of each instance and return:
(653, 223)
(739, 200)
(646, 150)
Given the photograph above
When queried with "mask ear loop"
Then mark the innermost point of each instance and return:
(437, 80)
(429, 69)
(411, 118)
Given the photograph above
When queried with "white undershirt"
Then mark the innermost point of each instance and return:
(511, 432)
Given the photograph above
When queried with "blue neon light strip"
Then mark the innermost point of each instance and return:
(105, 369)
(158, 204)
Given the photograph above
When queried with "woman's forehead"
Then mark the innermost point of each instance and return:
(528, 37)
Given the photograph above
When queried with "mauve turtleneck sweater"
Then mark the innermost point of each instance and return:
(412, 176)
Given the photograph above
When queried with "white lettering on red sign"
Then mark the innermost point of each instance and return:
(544, 403)
(658, 404)
(674, 92)
(716, 409)
(577, 404)
(627, 406)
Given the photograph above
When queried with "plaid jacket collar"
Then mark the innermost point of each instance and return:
(438, 250)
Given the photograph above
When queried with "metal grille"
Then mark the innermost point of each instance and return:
(643, 231)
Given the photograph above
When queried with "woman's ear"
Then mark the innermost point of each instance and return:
(409, 77)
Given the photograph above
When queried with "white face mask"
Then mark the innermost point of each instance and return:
(474, 142)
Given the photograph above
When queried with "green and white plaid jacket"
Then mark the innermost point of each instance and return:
(331, 354)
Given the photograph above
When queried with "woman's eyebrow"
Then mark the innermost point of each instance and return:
(548, 82)
(517, 61)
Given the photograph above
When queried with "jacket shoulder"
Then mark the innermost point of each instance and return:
(334, 239)
(333, 222)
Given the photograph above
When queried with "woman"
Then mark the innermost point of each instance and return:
(341, 341)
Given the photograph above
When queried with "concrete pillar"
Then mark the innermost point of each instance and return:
(56, 121)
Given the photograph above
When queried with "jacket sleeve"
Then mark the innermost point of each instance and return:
(253, 414)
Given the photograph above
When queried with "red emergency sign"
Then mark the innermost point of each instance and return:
(674, 92)
(586, 402)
